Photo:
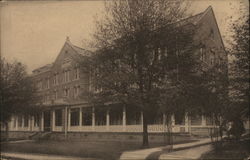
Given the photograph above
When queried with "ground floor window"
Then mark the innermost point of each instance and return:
(179, 118)
(26, 121)
(15, 124)
(20, 121)
(87, 116)
(133, 116)
(58, 117)
(116, 113)
(155, 118)
(74, 116)
(196, 119)
(209, 120)
(100, 116)
(36, 120)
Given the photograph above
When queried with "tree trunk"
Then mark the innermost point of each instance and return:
(145, 131)
(170, 136)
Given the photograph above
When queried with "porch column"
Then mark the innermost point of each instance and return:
(186, 122)
(107, 120)
(173, 120)
(65, 121)
(203, 120)
(22, 121)
(80, 118)
(141, 121)
(124, 118)
(42, 122)
(69, 119)
(164, 122)
(93, 118)
(53, 120)
(15, 123)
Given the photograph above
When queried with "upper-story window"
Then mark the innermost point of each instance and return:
(66, 92)
(76, 91)
(66, 74)
(56, 79)
(76, 73)
(39, 85)
(165, 51)
(55, 94)
(202, 54)
(212, 58)
(46, 83)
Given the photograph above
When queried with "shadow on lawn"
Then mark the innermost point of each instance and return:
(231, 150)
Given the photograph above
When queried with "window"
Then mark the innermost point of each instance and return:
(155, 119)
(20, 121)
(26, 121)
(56, 79)
(133, 116)
(179, 118)
(212, 58)
(100, 116)
(74, 116)
(14, 124)
(46, 83)
(55, 94)
(159, 53)
(202, 54)
(39, 85)
(76, 91)
(212, 33)
(36, 120)
(196, 120)
(66, 92)
(116, 114)
(58, 117)
(86, 116)
(76, 72)
(66, 75)
(209, 120)
(165, 51)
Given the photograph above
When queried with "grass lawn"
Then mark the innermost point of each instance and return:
(230, 150)
(102, 150)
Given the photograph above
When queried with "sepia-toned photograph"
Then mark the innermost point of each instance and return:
(124, 80)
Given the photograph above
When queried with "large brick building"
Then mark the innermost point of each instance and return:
(61, 82)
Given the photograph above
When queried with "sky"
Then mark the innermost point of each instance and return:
(33, 32)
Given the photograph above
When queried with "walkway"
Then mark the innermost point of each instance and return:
(163, 152)
(28, 156)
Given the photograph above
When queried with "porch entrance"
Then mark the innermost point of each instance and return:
(47, 121)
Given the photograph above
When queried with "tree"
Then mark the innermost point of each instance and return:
(239, 78)
(17, 93)
(140, 49)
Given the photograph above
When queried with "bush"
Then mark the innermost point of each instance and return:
(237, 128)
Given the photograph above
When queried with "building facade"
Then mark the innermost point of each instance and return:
(61, 83)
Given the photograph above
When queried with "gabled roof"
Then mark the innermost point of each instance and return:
(43, 68)
(194, 19)
(77, 49)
